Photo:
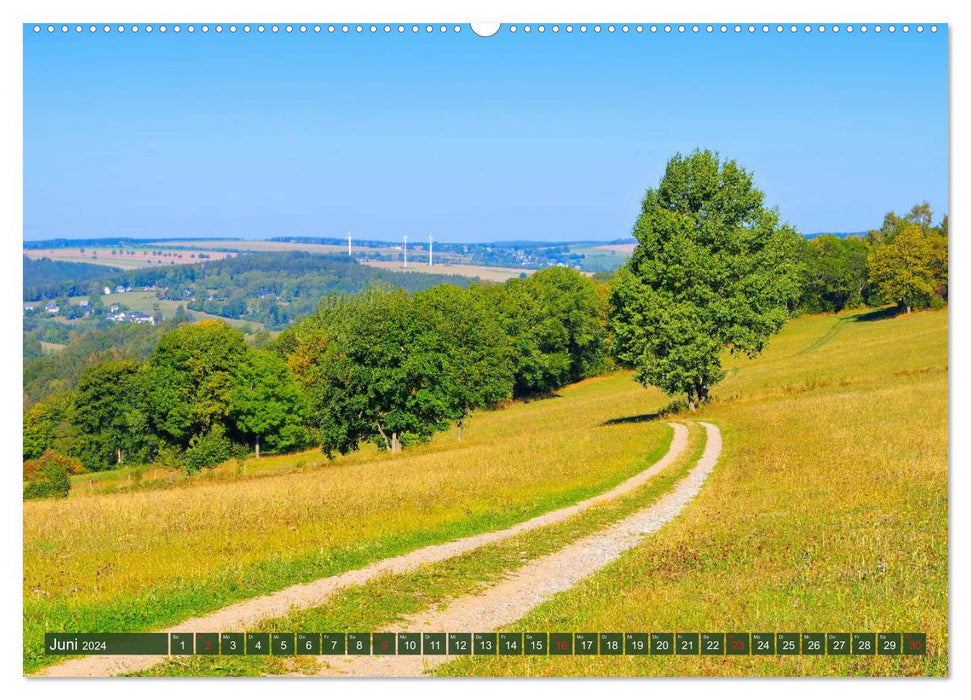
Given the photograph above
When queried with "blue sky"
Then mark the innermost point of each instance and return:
(516, 136)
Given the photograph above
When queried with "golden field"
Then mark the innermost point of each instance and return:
(828, 512)
(139, 560)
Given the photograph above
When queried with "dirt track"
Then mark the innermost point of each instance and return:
(530, 586)
(245, 615)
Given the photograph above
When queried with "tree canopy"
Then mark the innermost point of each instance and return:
(713, 270)
(110, 416)
(911, 269)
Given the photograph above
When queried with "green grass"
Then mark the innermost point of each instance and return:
(827, 512)
(390, 598)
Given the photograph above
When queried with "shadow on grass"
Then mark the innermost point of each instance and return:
(676, 406)
(878, 314)
(643, 418)
(540, 397)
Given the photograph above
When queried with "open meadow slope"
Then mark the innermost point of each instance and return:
(828, 512)
(150, 558)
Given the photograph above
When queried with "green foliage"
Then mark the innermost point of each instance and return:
(836, 274)
(59, 373)
(110, 416)
(190, 377)
(48, 476)
(32, 347)
(713, 270)
(368, 375)
(556, 320)
(47, 426)
(48, 279)
(208, 449)
(920, 215)
(911, 269)
(903, 262)
(394, 369)
(267, 405)
(474, 356)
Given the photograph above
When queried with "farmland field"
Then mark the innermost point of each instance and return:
(607, 256)
(483, 272)
(127, 258)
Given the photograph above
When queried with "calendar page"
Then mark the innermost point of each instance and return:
(450, 349)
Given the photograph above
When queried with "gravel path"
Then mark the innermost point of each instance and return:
(528, 587)
(245, 615)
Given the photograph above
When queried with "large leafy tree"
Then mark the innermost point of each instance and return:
(109, 416)
(267, 404)
(368, 379)
(556, 319)
(713, 270)
(190, 377)
(460, 333)
(911, 268)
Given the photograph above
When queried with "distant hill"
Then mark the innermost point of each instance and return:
(274, 289)
(48, 279)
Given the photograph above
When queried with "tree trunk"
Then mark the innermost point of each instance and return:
(459, 426)
(387, 443)
(119, 455)
(395, 444)
(702, 391)
(691, 400)
(257, 446)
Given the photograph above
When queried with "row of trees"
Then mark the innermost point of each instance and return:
(904, 262)
(393, 368)
(381, 366)
(715, 270)
(202, 392)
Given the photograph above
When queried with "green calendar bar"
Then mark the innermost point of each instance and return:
(830, 644)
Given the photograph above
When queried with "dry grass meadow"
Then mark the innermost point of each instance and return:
(143, 559)
(828, 512)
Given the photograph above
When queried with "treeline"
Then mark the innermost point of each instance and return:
(381, 366)
(59, 373)
(49, 279)
(904, 262)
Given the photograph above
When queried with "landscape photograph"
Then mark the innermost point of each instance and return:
(450, 350)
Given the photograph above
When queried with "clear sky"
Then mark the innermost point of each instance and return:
(516, 136)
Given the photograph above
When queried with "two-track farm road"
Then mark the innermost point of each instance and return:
(245, 615)
(510, 600)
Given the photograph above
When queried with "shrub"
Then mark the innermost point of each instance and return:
(209, 449)
(48, 476)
